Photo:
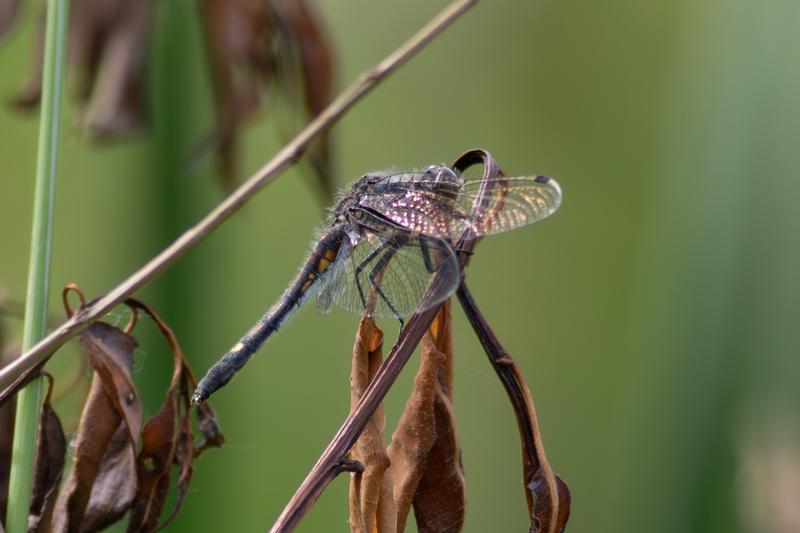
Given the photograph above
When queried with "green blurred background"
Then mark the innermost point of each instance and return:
(654, 315)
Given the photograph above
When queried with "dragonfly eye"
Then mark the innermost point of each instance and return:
(446, 174)
(441, 173)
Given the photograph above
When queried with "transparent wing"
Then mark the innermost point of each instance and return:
(443, 209)
(389, 273)
(333, 278)
(509, 202)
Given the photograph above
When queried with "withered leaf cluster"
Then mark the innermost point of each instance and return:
(252, 46)
(256, 44)
(108, 46)
(421, 468)
(121, 464)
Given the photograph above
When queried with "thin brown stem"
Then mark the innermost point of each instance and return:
(548, 497)
(283, 159)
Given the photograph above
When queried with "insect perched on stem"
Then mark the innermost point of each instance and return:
(387, 238)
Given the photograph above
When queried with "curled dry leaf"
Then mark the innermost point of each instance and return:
(425, 451)
(108, 476)
(422, 467)
(108, 46)
(256, 44)
(371, 502)
(51, 448)
(167, 439)
(102, 481)
(440, 499)
(153, 466)
(207, 423)
(548, 496)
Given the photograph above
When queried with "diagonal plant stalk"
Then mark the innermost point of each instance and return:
(30, 398)
(289, 154)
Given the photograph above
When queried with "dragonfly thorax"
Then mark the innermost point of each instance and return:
(394, 184)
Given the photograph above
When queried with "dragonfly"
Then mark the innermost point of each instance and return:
(386, 240)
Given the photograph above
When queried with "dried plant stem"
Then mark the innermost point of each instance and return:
(542, 489)
(29, 401)
(283, 159)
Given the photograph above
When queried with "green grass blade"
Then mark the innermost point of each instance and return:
(29, 399)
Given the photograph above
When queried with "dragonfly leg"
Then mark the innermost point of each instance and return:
(373, 280)
(361, 266)
(426, 256)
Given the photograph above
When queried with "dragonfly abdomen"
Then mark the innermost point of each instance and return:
(304, 284)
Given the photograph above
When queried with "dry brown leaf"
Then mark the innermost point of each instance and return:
(100, 487)
(108, 46)
(413, 438)
(371, 501)
(107, 477)
(185, 453)
(51, 448)
(167, 440)
(153, 466)
(425, 452)
(548, 496)
(316, 63)
(209, 428)
(441, 498)
(253, 45)
(237, 36)
(115, 484)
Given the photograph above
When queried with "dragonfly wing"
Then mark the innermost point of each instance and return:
(509, 202)
(334, 277)
(391, 274)
(443, 208)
